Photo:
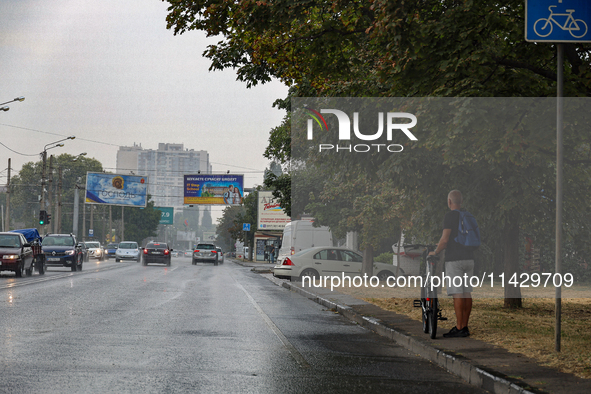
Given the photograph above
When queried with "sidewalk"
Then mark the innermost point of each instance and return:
(479, 363)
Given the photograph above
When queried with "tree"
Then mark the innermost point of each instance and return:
(25, 188)
(141, 223)
(412, 49)
(228, 229)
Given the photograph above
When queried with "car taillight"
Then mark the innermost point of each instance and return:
(287, 261)
(292, 250)
(196, 250)
(214, 251)
(166, 251)
(145, 251)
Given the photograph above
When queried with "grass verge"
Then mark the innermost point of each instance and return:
(528, 331)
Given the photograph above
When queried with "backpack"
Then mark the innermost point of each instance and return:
(468, 233)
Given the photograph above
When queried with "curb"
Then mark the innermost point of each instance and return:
(463, 368)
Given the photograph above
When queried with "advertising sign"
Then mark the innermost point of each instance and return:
(186, 236)
(167, 215)
(224, 189)
(113, 189)
(270, 215)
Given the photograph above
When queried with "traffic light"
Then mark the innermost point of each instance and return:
(42, 217)
(47, 218)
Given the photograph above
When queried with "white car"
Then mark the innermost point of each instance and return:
(328, 261)
(127, 250)
(95, 250)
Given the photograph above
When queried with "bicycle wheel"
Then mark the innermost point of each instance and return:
(581, 28)
(433, 312)
(543, 29)
(424, 309)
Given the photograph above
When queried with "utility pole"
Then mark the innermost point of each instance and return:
(76, 210)
(50, 190)
(122, 225)
(91, 227)
(59, 201)
(42, 199)
(110, 223)
(83, 217)
(7, 225)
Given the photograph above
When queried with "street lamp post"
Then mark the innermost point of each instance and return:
(55, 144)
(5, 108)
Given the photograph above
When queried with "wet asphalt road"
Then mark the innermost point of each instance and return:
(122, 327)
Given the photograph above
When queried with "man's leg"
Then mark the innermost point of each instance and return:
(459, 310)
(466, 309)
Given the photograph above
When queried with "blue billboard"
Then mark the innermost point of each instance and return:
(113, 189)
(224, 189)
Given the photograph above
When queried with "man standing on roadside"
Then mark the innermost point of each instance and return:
(459, 261)
(272, 253)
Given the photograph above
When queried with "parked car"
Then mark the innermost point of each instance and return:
(128, 250)
(16, 254)
(328, 261)
(95, 250)
(157, 252)
(63, 250)
(206, 253)
(301, 234)
(110, 251)
(220, 255)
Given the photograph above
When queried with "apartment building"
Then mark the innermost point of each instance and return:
(165, 168)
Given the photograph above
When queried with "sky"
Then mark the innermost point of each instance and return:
(111, 74)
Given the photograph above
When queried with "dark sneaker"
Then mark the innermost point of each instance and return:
(453, 333)
(465, 332)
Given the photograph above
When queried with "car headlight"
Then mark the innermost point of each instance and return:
(10, 256)
(70, 252)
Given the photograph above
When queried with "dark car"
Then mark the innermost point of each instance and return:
(110, 251)
(62, 250)
(205, 252)
(157, 252)
(16, 254)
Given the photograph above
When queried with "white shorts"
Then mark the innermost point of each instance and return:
(455, 269)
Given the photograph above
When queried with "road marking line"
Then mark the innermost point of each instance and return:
(292, 350)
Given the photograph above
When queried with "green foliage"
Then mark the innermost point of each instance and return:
(26, 187)
(386, 258)
(141, 223)
(229, 229)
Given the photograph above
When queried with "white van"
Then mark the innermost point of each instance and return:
(301, 234)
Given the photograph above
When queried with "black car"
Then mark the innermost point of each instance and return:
(62, 250)
(16, 254)
(157, 252)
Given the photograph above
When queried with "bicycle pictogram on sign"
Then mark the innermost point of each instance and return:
(576, 27)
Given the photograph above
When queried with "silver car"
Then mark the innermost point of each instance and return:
(95, 250)
(205, 253)
(127, 250)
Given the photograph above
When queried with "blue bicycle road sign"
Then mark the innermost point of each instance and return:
(558, 20)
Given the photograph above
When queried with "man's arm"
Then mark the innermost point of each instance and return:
(442, 242)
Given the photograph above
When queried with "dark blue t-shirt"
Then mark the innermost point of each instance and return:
(454, 251)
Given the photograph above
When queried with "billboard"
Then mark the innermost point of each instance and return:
(113, 189)
(224, 189)
(270, 216)
(167, 216)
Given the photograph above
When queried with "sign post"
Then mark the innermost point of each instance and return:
(554, 21)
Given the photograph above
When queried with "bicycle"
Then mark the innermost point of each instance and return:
(571, 24)
(429, 303)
